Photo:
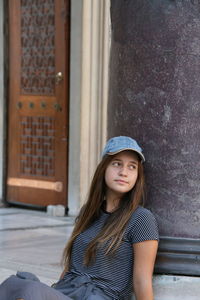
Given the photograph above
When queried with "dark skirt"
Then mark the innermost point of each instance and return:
(28, 287)
(81, 287)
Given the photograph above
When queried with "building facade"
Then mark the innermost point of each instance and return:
(127, 68)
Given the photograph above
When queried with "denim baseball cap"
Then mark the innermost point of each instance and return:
(122, 143)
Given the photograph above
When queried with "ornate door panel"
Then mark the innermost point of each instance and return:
(38, 101)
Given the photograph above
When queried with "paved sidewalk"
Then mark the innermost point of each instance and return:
(32, 241)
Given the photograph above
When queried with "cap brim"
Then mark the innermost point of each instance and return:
(124, 149)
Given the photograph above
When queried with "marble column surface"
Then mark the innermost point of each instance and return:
(154, 97)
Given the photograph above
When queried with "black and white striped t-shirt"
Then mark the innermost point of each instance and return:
(113, 274)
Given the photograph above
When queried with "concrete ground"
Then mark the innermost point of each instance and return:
(32, 241)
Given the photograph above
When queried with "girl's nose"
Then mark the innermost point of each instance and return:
(123, 171)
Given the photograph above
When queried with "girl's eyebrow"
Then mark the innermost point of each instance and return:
(116, 159)
(134, 162)
(131, 161)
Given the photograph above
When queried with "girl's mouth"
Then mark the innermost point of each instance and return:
(121, 181)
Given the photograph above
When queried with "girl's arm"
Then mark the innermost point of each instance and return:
(144, 259)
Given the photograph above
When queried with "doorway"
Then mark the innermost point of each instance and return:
(38, 102)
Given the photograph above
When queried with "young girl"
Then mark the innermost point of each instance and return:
(113, 246)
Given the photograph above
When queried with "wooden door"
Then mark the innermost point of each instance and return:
(38, 102)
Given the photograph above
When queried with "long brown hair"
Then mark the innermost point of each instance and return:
(112, 231)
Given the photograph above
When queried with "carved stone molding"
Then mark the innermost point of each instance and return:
(94, 87)
(89, 66)
(178, 256)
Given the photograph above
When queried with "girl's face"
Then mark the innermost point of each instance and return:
(121, 173)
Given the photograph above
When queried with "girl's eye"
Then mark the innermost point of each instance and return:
(116, 164)
(132, 167)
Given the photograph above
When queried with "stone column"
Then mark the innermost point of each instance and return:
(155, 98)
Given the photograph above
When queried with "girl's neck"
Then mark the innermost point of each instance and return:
(111, 203)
